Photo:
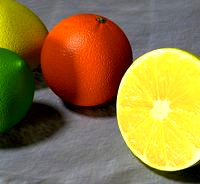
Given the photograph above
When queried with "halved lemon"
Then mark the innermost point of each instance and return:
(158, 109)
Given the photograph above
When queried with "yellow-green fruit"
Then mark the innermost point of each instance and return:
(21, 31)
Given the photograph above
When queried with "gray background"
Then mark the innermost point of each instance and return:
(61, 144)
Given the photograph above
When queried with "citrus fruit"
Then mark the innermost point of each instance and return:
(158, 109)
(84, 58)
(16, 89)
(21, 31)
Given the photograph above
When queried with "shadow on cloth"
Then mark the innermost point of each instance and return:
(38, 78)
(41, 122)
(188, 175)
(105, 110)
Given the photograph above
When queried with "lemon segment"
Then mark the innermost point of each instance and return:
(158, 109)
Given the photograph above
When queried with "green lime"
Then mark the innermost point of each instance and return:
(16, 89)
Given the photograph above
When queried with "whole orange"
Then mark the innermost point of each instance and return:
(84, 58)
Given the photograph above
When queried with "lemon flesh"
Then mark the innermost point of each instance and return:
(21, 31)
(158, 109)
